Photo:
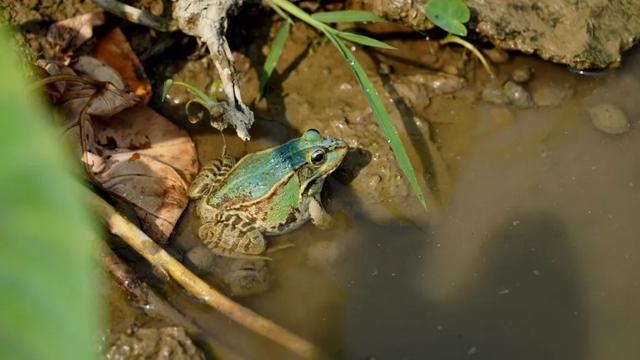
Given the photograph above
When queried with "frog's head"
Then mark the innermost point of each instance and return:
(317, 157)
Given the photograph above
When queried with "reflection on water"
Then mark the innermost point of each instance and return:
(536, 255)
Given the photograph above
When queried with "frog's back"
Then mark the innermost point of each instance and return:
(253, 177)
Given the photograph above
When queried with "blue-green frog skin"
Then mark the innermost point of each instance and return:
(269, 192)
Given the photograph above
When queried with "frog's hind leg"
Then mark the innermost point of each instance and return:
(233, 236)
(210, 177)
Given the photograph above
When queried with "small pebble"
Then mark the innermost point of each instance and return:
(450, 69)
(494, 95)
(521, 74)
(385, 69)
(517, 95)
(609, 119)
(497, 56)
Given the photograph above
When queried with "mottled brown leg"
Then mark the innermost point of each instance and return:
(210, 177)
(233, 236)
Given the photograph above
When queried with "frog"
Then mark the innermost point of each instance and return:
(265, 193)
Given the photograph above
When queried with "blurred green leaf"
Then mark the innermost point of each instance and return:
(381, 115)
(449, 15)
(346, 16)
(274, 54)
(364, 40)
(48, 279)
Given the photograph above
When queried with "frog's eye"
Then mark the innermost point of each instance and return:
(311, 135)
(317, 157)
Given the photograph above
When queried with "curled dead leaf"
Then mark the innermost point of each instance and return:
(114, 50)
(140, 156)
(97, 70)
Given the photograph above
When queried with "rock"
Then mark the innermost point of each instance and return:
(385, 69)
(496, 55)
(517, 95)
(408, 12)
(585, 34)
(521, 74)
(609, 119)
(582, 34)
(494, 95)
(510, 93)
(153, 343)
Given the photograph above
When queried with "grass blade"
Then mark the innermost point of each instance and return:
(346, 16)
(165, 88)
(381, 115)
(274, 55)
(364, 40)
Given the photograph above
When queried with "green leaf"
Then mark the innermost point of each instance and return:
(450, 15)
(165, 88)
(48, 275)
(346, 16)
(364, 40)
(274, 55)
(381, 115)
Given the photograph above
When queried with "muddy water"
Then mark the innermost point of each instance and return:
(532, 253)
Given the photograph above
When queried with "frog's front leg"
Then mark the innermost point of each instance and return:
(319, 216)
(232, 236)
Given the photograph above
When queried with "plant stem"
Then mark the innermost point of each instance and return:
(450, 38)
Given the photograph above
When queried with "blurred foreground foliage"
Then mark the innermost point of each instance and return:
(48, 275)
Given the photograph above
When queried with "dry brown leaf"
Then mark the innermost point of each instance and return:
(142, 157)
(97, 70)
(133, 153)
(86, 94)
(114, 50)
(69, 34)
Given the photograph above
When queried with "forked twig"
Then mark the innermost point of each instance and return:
(145, 246)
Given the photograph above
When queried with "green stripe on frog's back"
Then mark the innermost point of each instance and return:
(285, 202)
(256, 174)
(277, 208)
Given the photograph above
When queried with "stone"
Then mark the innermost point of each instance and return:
(609, 119)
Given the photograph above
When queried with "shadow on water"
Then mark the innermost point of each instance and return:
(527, 305)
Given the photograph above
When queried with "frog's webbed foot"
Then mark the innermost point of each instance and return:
(233, 236)
(210, 177)
(319, 216)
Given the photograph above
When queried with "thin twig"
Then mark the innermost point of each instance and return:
(145, 246)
